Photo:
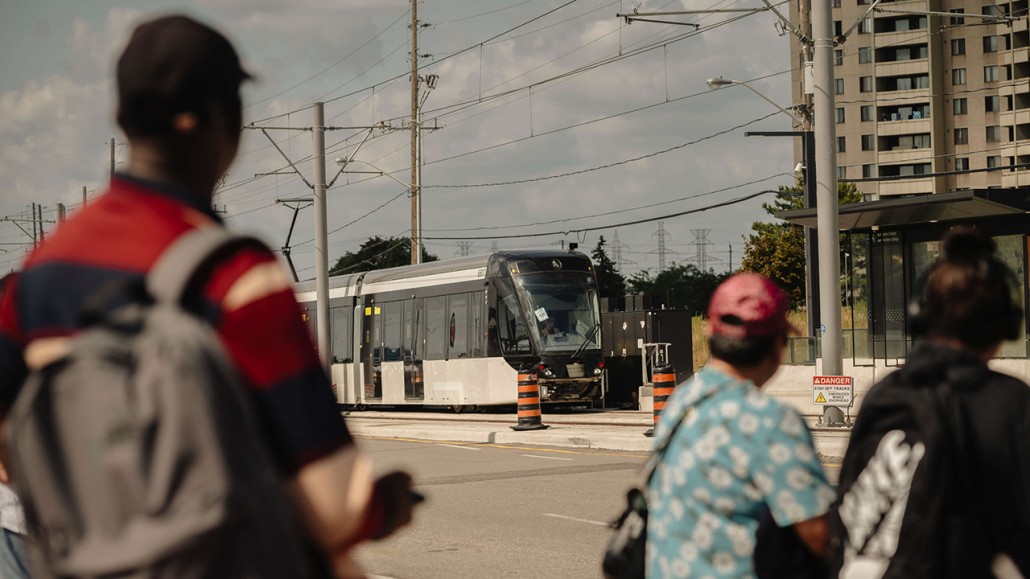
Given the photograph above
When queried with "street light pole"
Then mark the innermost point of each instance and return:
(827, 221)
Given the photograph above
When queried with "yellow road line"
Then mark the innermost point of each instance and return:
(479, 445)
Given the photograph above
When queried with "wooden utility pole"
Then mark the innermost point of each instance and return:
(805, 12)
(416, 234)
(112, 158)
(83, 196)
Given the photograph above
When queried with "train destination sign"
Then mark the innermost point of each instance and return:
(832, 390)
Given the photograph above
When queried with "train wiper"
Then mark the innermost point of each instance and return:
(586, 341)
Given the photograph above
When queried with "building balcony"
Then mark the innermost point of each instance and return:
(907, 127)
(1010, 118)
(1019, 25)
(1017, 178)
(884, 39)
(900, 156)
(903, 67)
(906, 187)
(1020, 86)
(1017, 56)
(902, 97)
(1022, 149)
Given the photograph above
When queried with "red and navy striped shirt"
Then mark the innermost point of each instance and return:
(249, 301)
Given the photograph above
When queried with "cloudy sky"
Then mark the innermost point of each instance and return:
(56, 111)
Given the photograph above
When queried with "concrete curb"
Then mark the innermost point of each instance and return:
(623, 438)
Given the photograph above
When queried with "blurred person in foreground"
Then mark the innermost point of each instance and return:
(936, 478)
(179, 105)
(739, 454)
(14, 557)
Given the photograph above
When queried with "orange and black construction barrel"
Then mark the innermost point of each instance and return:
(664, 378)
(529, 402)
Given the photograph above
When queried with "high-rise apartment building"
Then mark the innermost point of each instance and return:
(922, 93)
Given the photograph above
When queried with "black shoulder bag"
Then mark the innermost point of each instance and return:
(624, 558)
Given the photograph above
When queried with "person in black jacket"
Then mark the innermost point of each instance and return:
(936, 479)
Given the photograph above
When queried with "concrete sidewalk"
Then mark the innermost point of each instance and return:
(624, 431)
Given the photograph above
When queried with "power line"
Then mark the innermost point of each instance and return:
(483, 13)
(609, 165)
(624, 224)
(398, 196)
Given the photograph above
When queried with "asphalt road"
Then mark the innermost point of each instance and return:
(493, 511)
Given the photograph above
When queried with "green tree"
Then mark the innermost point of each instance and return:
(609, 281)
(777, 250)
(379, 253)
(684, 286)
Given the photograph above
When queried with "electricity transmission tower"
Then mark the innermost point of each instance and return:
(493, 246)
(663, 236)
(618, 248)
(701, 246)
(464, 248)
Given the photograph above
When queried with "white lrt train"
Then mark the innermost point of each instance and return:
(455, 332)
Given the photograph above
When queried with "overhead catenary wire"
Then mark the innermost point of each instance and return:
(614, 225)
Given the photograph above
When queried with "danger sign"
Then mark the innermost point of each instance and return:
(832, 390)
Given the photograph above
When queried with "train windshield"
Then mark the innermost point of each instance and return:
(562, 310)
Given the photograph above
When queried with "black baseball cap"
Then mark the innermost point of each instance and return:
(173, 65)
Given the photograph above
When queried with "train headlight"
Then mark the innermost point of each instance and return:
(548, 373)
(597, 371)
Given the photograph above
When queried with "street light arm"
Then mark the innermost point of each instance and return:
(382, 172)
(347, 160)
(783, 110)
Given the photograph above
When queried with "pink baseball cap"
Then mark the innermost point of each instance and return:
(749, 305)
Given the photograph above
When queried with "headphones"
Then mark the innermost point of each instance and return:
(919, 322)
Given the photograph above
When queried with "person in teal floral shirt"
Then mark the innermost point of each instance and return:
(738, 451)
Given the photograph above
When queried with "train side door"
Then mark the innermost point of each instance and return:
(412, 341)
(372, 351)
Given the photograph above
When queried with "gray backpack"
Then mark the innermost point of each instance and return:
(137, 455)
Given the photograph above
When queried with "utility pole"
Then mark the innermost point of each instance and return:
(60, 213)
(34, 243)
(83, 196)
(42, 234)
(416, 233)
(804, 10)
(827, 220)
(731, 256)
(112, 158)
(321, 236)
(808, 155)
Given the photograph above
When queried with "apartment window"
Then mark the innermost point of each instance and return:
(910, 142)
(994, 162)
(837, 29)
(961, 107)
(838, 86)
(868, 142)
(961, 136)
(842, 172)
(994, 134)
(962, 164)
(867, 113)
(842, 145)
(958, 76)
(989, 10)
(957, 20)
(992, 104)
(868, 171)
(838, 57)
(863, 2)
(990, 44)
(865, 54)
(991, 73)
(1008, 103)
(836, 3)
(840, 115)
(866, 27)
(958, 46)
(865, 84)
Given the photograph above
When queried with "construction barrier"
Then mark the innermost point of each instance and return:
(664, 379)
(529, 403)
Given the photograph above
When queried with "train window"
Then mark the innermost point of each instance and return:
(377, 333)
(510, 327)
(408, 345)
(476, 330)
(436, 328)
(457, 315)
(392, 332)
(342, 331)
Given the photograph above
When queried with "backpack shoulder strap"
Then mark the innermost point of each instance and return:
(180, 263)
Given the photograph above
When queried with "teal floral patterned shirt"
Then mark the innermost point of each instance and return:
(737, 453)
